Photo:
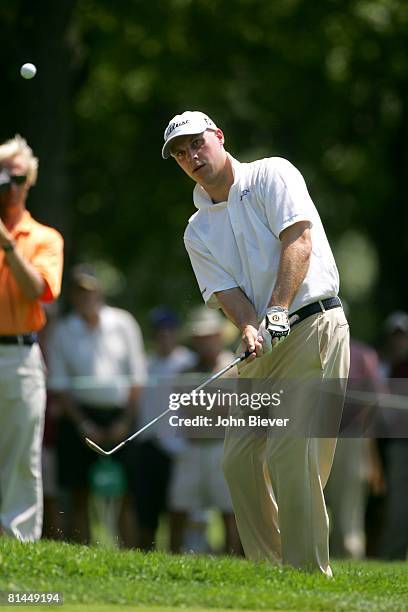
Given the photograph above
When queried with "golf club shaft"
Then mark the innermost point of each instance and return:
(233, 363)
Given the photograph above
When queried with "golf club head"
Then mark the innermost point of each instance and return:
(97, 448)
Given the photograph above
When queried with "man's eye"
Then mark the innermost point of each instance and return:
(179, 154)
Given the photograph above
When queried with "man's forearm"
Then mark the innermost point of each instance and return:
(241, 312)
(293, 267)
(237, 307)
(26, 276)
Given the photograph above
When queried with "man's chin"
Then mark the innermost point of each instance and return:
(198, 171)
(9, 204)
(203, 175)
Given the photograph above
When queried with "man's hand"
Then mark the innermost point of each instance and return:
(5, 236)
(29, 280)
(274, 328)
(251, 341)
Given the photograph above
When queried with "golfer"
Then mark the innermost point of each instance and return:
(259, 252)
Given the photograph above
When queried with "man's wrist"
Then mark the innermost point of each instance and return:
(7, 248)
(278, 308)
(245, 326)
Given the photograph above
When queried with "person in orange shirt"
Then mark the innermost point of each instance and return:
(31, 260)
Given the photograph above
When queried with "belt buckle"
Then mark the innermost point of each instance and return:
(294, 319)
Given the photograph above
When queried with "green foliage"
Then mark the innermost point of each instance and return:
(95, 575)
(321, 83)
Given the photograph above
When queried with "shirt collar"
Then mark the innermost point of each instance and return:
(201, 198)
(24, 226)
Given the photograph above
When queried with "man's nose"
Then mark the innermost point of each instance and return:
(191, 153)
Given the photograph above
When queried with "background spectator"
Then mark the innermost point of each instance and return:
(356, 463)
(30, 275)
(153, 452)
(197, 481)
(97, 367)
(394, 544)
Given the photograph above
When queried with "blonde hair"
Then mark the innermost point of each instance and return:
(18, 146)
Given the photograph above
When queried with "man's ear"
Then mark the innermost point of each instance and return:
(220, 135)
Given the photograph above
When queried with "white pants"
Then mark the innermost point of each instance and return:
(197, 480)
(22, 408)
(276, 483)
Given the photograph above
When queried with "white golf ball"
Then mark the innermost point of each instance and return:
(28, 71)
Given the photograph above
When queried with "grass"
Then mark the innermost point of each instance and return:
(96, 579)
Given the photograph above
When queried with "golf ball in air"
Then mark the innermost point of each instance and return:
(28, 71)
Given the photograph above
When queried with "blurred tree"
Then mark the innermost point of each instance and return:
(40, 109)
(323, 84)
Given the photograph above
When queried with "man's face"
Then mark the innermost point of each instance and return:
(201, 156)
(17, 193)
(166, 339)
(208, 347)
(86, 302)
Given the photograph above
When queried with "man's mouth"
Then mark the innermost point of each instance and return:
(198, 168)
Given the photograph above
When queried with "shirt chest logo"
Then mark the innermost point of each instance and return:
(244, 193)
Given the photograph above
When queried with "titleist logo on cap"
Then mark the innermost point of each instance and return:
(173, 126)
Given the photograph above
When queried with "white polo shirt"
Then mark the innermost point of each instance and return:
(98, 366)
(236, 243)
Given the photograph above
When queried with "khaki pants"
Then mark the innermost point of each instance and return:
(276, 483)
(22, 407)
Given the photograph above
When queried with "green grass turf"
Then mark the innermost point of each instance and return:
(95, 579)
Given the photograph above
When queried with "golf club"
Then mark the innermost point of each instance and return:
(100, 450)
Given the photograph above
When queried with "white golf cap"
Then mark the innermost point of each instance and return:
(203, 321)
(189, 122)
(396, 322)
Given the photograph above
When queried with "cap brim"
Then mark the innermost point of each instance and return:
(85, 282)
(166, 149)
(200, 330)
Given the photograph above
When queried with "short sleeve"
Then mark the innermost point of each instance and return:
(48, 262)
(287, 200)
(211, 277)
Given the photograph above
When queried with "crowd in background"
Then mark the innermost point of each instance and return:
(102, 384)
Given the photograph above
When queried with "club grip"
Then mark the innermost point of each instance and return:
(245, 355)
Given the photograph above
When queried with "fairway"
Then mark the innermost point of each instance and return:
(98, 579)
(121, 608)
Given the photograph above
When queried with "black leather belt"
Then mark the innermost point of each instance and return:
(314, 308)
(21, 339)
